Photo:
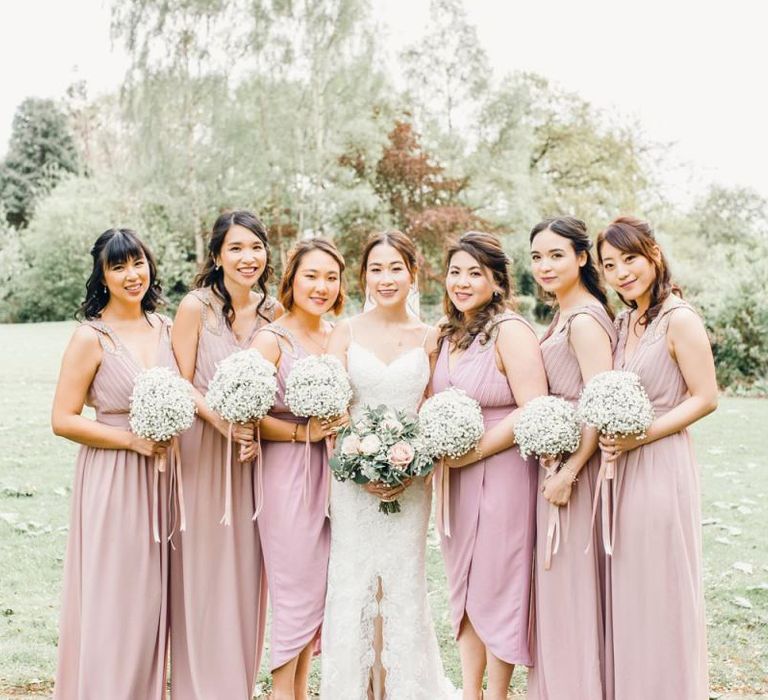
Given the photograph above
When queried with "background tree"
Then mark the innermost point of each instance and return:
(40, 152)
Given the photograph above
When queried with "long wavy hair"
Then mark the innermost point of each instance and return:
(212, 277)
(575, 230)
(116, 246)
(457, 328)
(295, 255)
(631, 235)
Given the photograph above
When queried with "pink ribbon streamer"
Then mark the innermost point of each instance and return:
(259, 474)
(226, 519)
(443, 489)
(177, 486)
(605, 487)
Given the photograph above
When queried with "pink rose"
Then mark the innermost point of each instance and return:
(350, 445)
(400, 455)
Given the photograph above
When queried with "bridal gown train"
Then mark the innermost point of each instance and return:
(367, 547)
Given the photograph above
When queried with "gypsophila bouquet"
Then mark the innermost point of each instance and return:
(451, 423)
(162, 406)
(615, 403)
(318, 387)
(243, 387)
(547, 427)
(384, 445)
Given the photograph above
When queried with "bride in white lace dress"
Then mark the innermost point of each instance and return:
(378, 637)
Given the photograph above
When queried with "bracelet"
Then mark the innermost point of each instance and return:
(568, 469)
(479, 453)
(295, 432)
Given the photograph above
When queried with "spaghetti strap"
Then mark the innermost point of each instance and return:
(426, 335)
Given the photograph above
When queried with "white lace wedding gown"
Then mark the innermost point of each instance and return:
(367, 545)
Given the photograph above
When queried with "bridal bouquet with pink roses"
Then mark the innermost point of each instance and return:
(383, 445)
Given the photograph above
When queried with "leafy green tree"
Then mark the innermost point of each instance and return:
(41, 150)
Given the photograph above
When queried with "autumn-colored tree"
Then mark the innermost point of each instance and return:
(420, 197)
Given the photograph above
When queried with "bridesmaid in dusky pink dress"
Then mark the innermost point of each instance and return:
(569, 584)
(656, 566)
(493, 355)
(114, 617)
(218, 601)
(293, 490)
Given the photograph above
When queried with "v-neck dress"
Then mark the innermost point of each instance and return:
(489, 554)
(218, 601)
(658, 633)
(295, 533)
(569, 596)
(114, 616)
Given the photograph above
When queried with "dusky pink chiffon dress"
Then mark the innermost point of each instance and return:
(658, 632)
(492, 518)
(218, 601)
(113, 634)
(569, 620)
(293, 527)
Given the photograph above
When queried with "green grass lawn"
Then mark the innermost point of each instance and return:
(36, 472)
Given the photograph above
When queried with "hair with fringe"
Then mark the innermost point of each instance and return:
(487, 250)
(295, 256)
(116, 246)
(212, 277)
(575, 230)
(631, 235)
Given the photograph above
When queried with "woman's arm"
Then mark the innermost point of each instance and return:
(78, 368)
(689, 346)
(518, 349)
(592, 347)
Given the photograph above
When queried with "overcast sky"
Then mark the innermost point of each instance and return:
(692, 72)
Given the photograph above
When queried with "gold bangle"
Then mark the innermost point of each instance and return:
(295, 432)
(568, 469)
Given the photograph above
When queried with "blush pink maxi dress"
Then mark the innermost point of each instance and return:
(293, 527)
(569, 633)
(113, 635)
(218, 601)
(489, 553)
(658, 626)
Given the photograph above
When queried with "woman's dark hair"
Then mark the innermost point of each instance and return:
(631, 235)
(400, 242)
(213, 277)
(486, 249)
(575, 230)
(295, 255)
(116, 246)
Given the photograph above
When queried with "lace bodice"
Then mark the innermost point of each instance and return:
(398, 384)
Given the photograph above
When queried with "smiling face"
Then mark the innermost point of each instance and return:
(128, 281)
(317, 283)
(242, 258)
(468, 283)
(631, 275)
(554, 263)
(387, 278)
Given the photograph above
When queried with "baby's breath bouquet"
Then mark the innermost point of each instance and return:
(162, 406)
(318, 387)
(615, 403)
(451, 423)
(385, 446)
(242, 390)
(547, 427)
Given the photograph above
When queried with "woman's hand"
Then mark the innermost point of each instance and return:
(557, 488)
(613, 447)
(321, 428)
(384, 491)
(244, 433)
(148, 448)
